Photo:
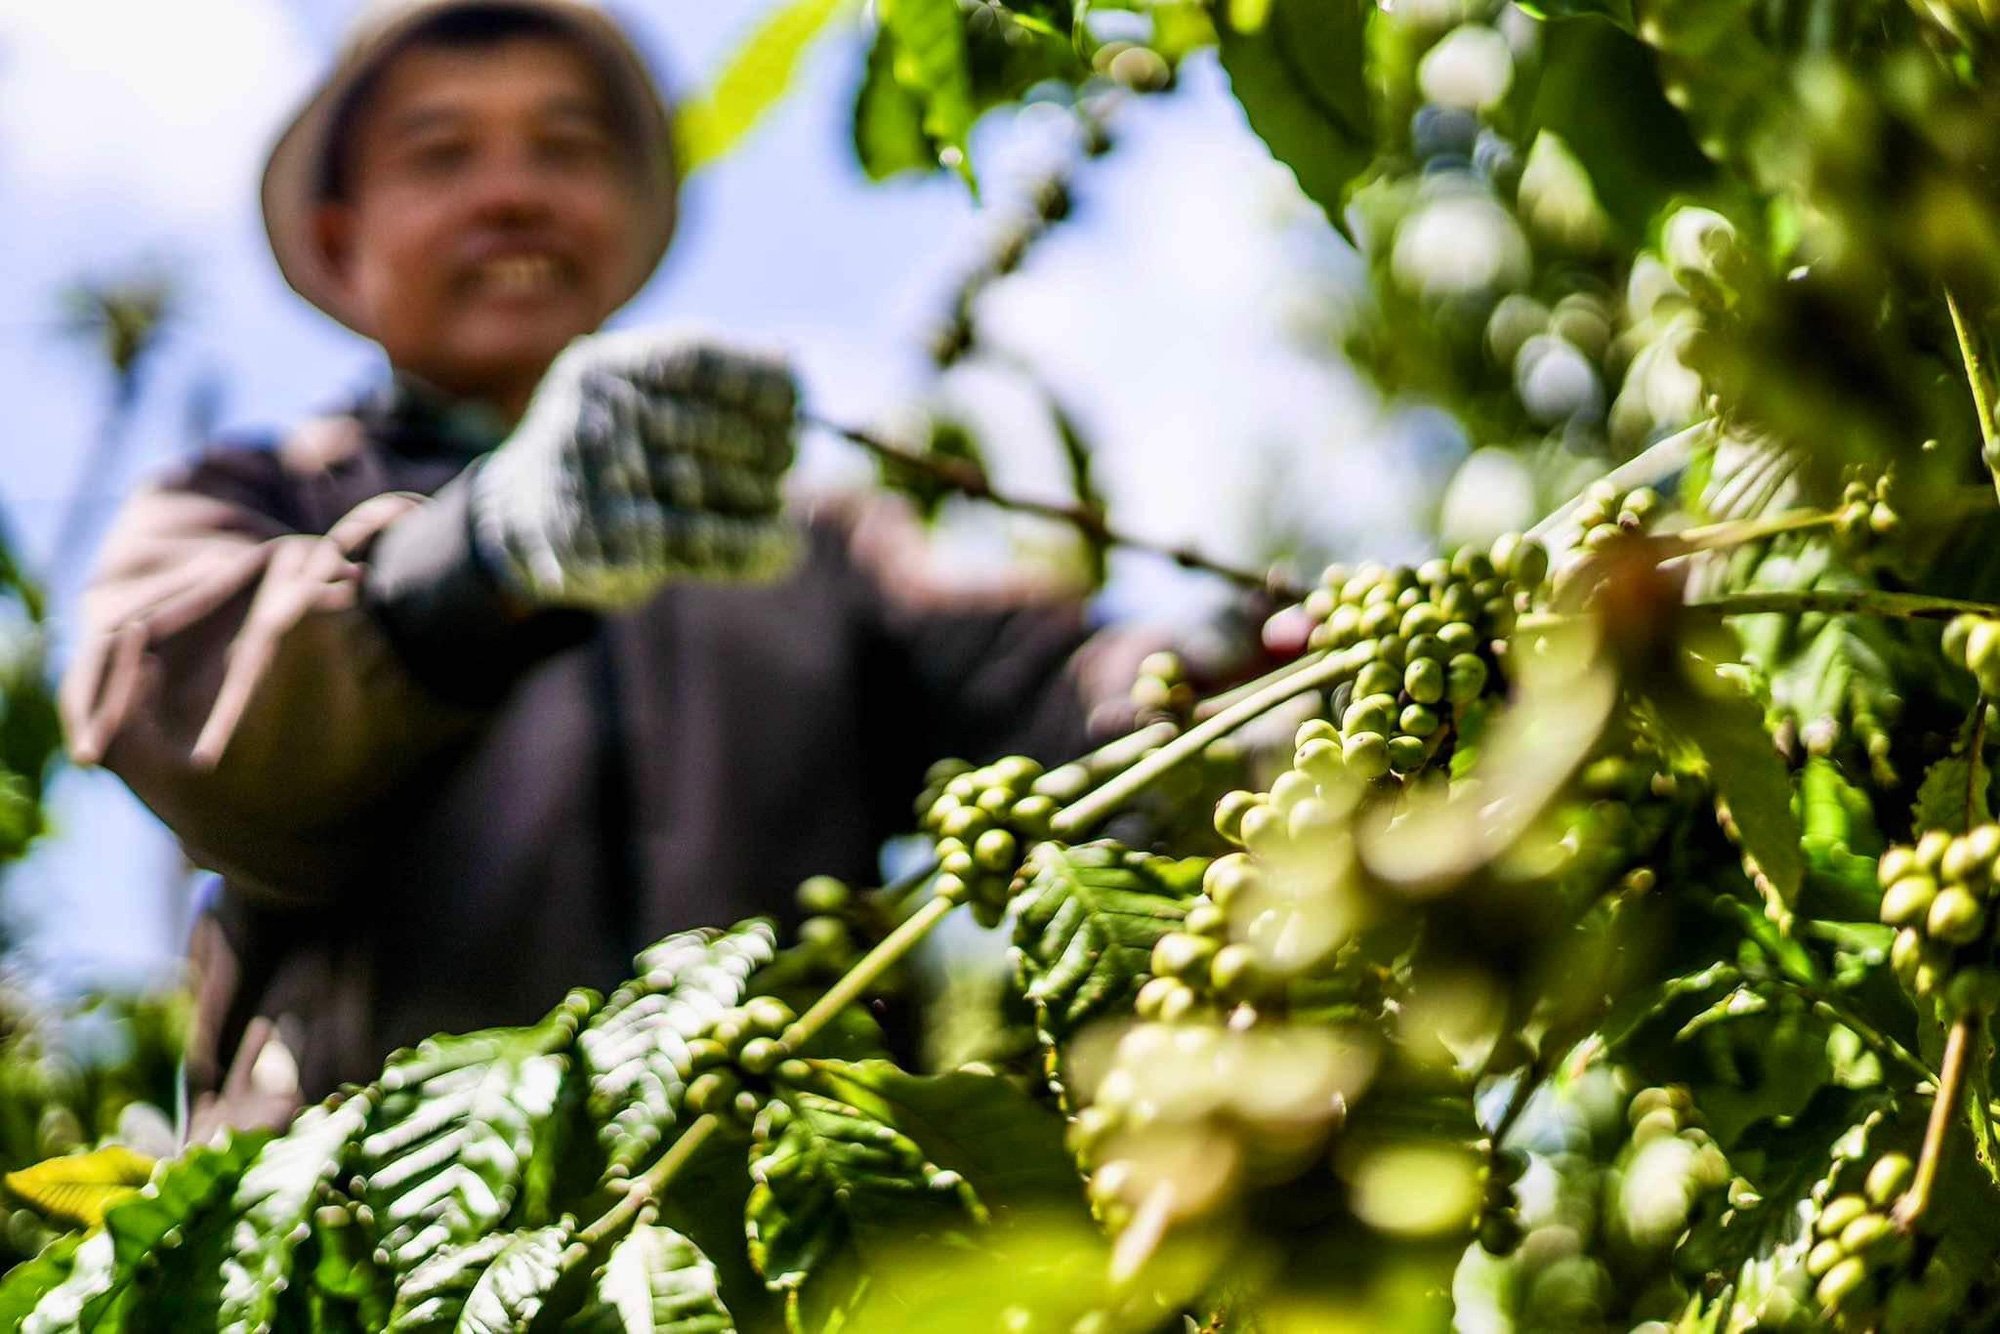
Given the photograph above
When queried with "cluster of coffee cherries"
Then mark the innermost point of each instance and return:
(1199, 964)
(1273, 909)
(1973, 642)
(1424, 641)
(1859, 1250)
(1669, 1171)
(1604, 513)
(826, 906)
(730, 1065)
(1864, 517)
(1162, 690)
(1259, 1103)
(984, 821)
(1627, 798)
(1937, 896)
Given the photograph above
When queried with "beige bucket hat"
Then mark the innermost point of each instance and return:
(294, 175)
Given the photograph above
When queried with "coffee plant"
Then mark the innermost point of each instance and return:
(1599, 933)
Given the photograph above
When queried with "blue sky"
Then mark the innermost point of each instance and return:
(133, 131)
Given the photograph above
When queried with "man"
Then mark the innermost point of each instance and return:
(472, 690)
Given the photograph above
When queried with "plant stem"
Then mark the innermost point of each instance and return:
(898, 891)
(1737, 532)
(1656, 463)
(1286, 683)
(1871, 1037)
(1982, 392)
(1532, 1075)
(1843, 601)
(968, 479)
(644, 1192)
(1215, 704)
(1951, 1083)
(1121, 753)
(856, 981)
(1975, 751)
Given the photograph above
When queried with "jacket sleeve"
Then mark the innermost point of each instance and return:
(1005, 668)
(267, 692)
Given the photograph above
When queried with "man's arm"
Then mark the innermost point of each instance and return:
(268, 691)
(237, 677)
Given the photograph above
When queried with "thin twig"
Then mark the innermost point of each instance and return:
(854, 984)
(1284, 684)
(1532, 1075)
(1215, 704)
(1871, 1037)
(1951, 1083)
(1738, 532)
(899, 890)
(1655, 464)
(1975, 749)
(645, 1191)
(1841, 602)
(968, 479)
(1982, 392)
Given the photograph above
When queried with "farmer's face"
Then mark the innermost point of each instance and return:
(492, 213)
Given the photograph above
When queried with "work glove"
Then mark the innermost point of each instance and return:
(643, 457)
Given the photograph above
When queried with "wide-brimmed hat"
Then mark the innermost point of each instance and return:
(296, 174)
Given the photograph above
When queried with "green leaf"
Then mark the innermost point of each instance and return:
(1700, 709)
(27, 1283)
(1956, 789)
(633, 1051)
(1837, 818)
(79, 1187)
(1008, 1148)
(348, 1289)
(753, 81)
(1299, 76)
(1787, 1160)
(129, 1277)
(86, 1294)
(1618, 11)
(274, 1205)
(889, 133)
(1045, 1274)
(828, 1174)
(1085, 927)
(497, 1284)
(929, 63)
(656, 1282)
(1599, 91)
(707, 1205)
(450, 1149)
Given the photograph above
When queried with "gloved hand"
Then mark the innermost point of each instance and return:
(643, 457)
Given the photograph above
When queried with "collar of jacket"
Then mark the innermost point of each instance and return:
(416, 418)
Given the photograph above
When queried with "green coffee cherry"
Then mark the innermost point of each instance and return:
(1424, 680)
(1889, 1178)
(1466, 677)
(1908, 901)
(1230, 880)
(1838, 1213)
(1320, 759)
(1367, 755)
(822, 895)
(1229, 814)
(1407, 754)
(1955, 916)
(1180, 954)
